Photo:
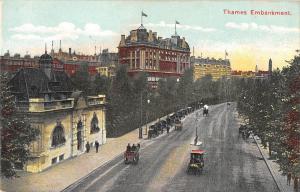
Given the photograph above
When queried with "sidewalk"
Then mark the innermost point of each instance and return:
(274, 169)
(62, 175)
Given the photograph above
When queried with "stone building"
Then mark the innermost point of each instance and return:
(66, 119)
(216, 68)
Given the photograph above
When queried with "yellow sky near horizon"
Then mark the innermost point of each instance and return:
(245, 59)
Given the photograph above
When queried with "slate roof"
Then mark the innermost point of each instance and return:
(34, 83)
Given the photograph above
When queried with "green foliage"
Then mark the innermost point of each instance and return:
(271, 108)
(16, 133)
(82, 80)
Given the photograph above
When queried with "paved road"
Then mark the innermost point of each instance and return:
(231, 164)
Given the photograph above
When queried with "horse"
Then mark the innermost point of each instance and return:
(205, 112)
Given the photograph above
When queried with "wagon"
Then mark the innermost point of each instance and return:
(178, 125)
(132, 155)
(196, 163)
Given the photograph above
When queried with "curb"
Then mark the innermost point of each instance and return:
(270, 169)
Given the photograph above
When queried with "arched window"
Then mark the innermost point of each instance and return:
(58, 136)
(95, 124)
(79, 135)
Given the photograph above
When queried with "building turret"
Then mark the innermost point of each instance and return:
(46, 63)
(270, 66)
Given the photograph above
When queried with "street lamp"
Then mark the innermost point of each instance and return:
(140, 128)
(196, 126)
(148, 101)
(175, 107)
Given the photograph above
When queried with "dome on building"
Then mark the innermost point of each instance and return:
(45, 59)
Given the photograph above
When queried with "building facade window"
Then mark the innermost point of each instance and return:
(95, 124)
(58, 136)
(79, 135)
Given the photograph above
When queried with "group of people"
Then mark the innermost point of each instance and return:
(88, 146)
(133, 147)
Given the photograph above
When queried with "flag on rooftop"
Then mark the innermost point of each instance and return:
(177, 22)
(144, 14)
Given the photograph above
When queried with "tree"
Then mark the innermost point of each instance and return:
(82, 81)
(120, 106)
(101, 85)
(16, 133)
(291, 113)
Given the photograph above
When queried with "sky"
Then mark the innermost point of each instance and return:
(249, 40)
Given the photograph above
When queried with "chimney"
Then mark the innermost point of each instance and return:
(59, 45)
(133, 36)
(155, 35)
(150, 38)
(183, 43)
(122, 42)
(70, 51)
(52, 50)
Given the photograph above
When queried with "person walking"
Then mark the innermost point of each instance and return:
(289, 178)
(97, 146)
(87, 146)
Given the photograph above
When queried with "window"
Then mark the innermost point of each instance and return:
(58, 136)
(79, 135)
(61, 157)
(54, 160)
(94, 124)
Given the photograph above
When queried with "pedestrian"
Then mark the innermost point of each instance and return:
(97, 146)
(128, 148)
(168, 128)
(87, 146)
(289, 177)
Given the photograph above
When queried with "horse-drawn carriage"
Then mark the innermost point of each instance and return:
(196, 164)
(131, 155)
(178, 125)
(152, 132)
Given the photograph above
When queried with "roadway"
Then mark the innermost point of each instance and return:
(231, 164)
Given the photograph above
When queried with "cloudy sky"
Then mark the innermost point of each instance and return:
(82, 25)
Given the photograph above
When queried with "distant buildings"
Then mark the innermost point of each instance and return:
(257, 74)
(12, 64)
(66, 119)
(70, 62)
(109, 61)
(206, 66)
(145, 51)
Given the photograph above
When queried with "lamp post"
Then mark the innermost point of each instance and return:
(140, 128)
(196, 127)
(177, 81)
(148, 101)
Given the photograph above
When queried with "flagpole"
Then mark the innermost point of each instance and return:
(175, 28)
(142, 18)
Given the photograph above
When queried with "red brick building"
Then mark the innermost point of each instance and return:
(12, 64)
(61, 61)
(144, 51)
